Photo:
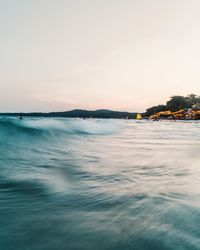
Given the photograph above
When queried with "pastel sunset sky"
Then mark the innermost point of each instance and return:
(91, 54)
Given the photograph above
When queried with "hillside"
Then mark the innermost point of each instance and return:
(79, 113)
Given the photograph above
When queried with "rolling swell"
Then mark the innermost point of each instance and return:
(11, 125)
(50, 127)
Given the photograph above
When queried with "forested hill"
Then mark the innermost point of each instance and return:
(176, 103)
(79, 113)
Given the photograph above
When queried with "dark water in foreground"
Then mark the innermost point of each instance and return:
(99, 184)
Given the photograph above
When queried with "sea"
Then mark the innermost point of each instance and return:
(99, 184)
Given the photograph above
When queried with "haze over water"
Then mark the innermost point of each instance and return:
(99, 184)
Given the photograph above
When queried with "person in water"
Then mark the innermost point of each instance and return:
(20, 117)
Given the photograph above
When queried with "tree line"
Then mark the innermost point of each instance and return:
(175, 103)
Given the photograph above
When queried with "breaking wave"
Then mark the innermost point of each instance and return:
(49, 126)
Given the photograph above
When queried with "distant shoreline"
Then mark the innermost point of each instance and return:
(78, 113)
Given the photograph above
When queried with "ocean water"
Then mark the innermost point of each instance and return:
(70, 184)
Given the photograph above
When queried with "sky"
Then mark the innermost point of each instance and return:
(94, 54)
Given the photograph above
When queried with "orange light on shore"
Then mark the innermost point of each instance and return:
(179, 115)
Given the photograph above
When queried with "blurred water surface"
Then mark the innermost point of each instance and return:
(99, 184)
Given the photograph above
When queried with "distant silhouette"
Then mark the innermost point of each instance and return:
(78, 113)
(20, 117)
